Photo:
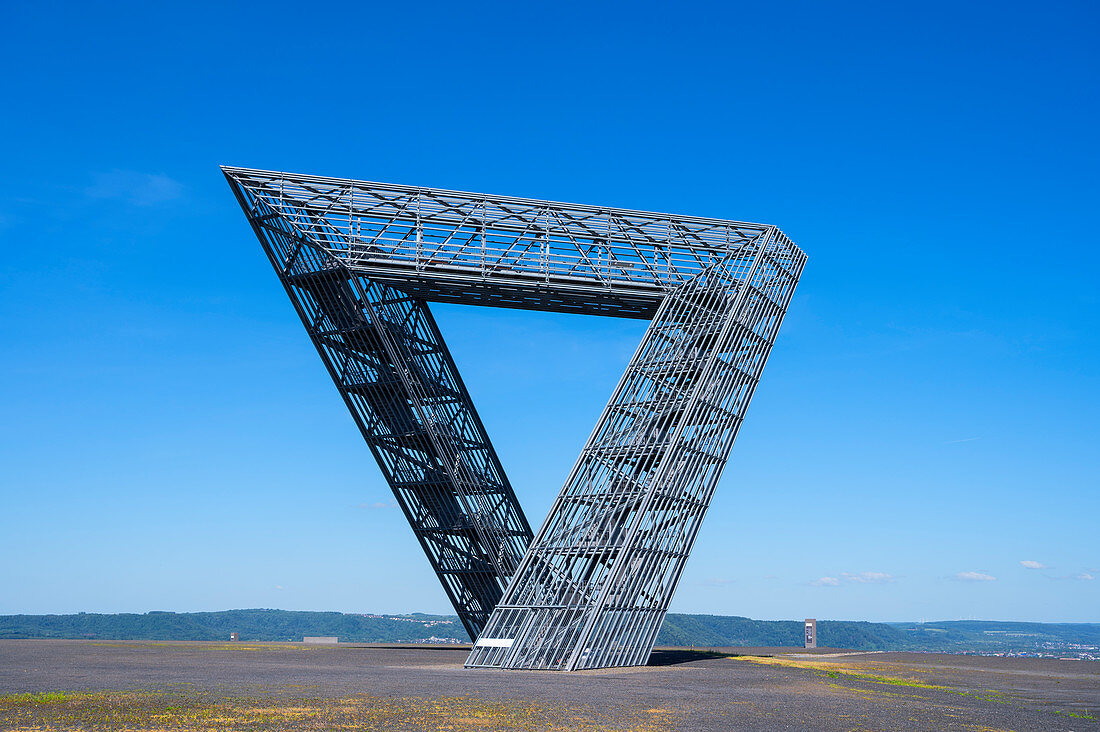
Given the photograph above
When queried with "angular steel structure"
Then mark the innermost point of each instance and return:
(361, 261)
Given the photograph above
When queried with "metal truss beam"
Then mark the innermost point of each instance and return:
(596, 583)
(476, 249)
(593, 587)
(389, 361)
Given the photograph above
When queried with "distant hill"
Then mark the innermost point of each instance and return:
(252, 625)
(731, 630)
(963, 636)
(984, 636)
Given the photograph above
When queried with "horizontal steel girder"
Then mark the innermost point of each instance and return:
(448, 246)
(360, 261)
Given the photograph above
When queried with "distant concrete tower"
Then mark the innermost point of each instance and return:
(811, 633)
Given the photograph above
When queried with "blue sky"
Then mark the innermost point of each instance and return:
(923, 444)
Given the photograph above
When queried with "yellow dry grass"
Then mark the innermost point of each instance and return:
(136, 711)
(889, 676)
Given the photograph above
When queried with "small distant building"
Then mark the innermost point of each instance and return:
(325, 639)
(811, 633)
(234, 636)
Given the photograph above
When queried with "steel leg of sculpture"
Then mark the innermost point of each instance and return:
(598, 578)
(388, 359)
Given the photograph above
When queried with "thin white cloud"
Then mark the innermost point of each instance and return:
(377, 505)
(1085, 576)
(974, 577)
(860, 578)
(869, 578)
(1032, 564)
(138, 189)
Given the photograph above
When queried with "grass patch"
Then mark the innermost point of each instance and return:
(831, 671)
(46, 697)
(137, 711)
(889, 680)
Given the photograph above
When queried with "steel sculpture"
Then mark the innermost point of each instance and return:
(361, 261)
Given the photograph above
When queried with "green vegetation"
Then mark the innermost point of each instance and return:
(961, 636)
(984, 636)
(46, 697)
(252, 625)
(678, 630)
(727, 630)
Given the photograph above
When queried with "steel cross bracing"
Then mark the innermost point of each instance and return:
(595, 584)
(469, 248)
(388, 359)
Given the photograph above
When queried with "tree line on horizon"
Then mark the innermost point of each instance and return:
(678, 630)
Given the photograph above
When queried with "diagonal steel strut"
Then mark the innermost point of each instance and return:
(625, 521)
(388, 359)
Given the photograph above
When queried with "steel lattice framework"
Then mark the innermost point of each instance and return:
(361, 261)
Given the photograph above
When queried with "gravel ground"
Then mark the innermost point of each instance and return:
(292, 686)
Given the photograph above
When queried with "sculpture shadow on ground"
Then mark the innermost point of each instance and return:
(677, 656)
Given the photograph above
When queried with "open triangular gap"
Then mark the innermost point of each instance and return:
(539, 381)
